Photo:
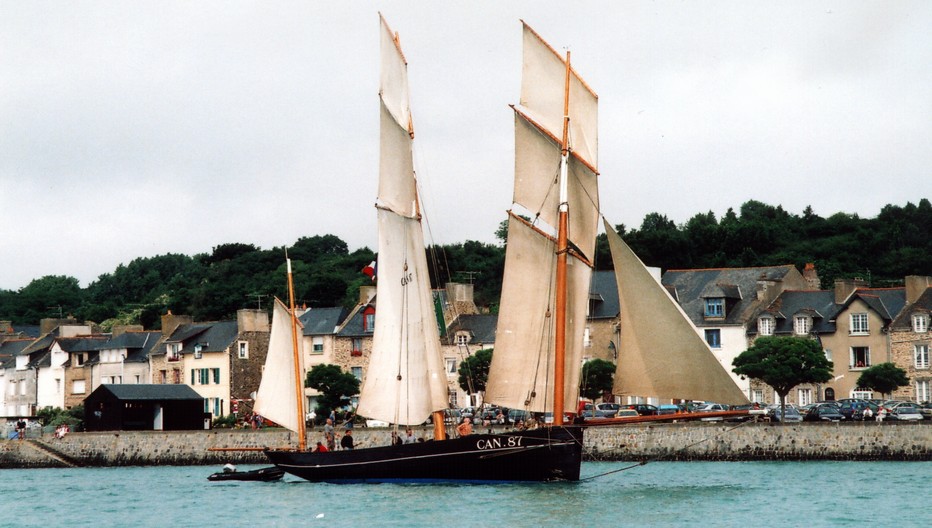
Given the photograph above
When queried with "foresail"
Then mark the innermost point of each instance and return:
(521, 375)
(275, 399)
(405, 380)
(660, 354)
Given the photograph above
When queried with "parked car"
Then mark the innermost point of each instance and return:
(668, 408)
(906, 413)
(626, 413)
(925, 409)
(712, 407)
(854, 409)
(824, 413)
(791, 414)
(643, 409)
(608, 409)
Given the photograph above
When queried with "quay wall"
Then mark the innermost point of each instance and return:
(671, 441)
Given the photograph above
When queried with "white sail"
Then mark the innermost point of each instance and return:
(275, 399)
(522, 371)
(405, 380)
(660, 353)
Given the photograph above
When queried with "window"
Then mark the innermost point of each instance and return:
(163, 377)
(802, 324)
(804, 396)
(859, 324)
(357, 372)
(828, 355)
(452, 398)
(174, 351)
(922, 391)
(765, 326)
(243, 351)
(714, 338)
(921, 354)
(197, 351)
(862, 394)
(79, 359)
(57, 385)
(462, 339)
(78, 387)
(317, 345)
(860, 357)
(920, 323)
(368, 319)
(757, 396)
(830, 394)
(216, 372)
(587, 338)
(357, 347)
(176, 376)
(715, 307)
(451, 366)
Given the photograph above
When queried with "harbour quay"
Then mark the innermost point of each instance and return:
(691, 441)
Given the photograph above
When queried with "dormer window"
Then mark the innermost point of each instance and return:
(198, 348)
(920, 323)
(462, 339)
(765, 326)
(802, 324)
(368, 320)
(715, 307)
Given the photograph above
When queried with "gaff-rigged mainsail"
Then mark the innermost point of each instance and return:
(660, 354)
(276, 399)
(523, 365)
(405, 381)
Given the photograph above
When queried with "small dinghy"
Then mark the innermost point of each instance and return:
(265, 474)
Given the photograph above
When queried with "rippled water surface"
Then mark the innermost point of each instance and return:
(657, 494)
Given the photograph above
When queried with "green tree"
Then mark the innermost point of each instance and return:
(335, 386)
(597, 378)
(883, 378)
(474, 371)
(784, 362)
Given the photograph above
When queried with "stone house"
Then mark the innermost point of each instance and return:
(319, 339)
(10, 349)
(722, 304)
(465, 335)
(851, 323)
(221, 361)
(911, 339)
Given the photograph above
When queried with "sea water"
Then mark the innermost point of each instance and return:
(738, 494)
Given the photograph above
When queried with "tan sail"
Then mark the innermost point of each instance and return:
(524, 363)
(275, 399)
(405, 380)
(660, 354)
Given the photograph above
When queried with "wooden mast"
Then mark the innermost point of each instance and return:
(298, 382)
(559, 362)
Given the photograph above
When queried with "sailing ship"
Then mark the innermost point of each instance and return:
(405, 382)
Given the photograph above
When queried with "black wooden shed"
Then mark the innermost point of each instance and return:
(144, 408)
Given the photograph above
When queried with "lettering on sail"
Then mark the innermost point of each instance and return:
(498, 442)
(409, 277)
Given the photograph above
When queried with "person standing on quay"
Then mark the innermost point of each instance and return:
(347, 441)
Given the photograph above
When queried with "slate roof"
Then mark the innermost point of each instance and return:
(352, 326)
(923, 304)
(11, 348)
(213, 337)
(151, 392)
(603, 295)
(322, 321)
(480, 326)
(820, 304)
(738, 285)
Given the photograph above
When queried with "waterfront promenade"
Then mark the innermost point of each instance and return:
(672, 441)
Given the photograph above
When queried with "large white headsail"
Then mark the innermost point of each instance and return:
(522, 369)
(275, 399)
(660, 354)
(405, 381)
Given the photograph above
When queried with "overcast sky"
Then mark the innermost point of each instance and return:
(135, 129)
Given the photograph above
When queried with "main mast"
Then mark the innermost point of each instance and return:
(562, 247)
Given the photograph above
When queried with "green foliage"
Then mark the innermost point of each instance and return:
(55, 416)
(784, 362)
(335, 386)
(224, 422)
(883, 378)
(597, 378)
(474, 371)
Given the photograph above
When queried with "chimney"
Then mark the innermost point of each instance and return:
(252, 320)
(916, 285)
(366, 293)
(171, 321)
(119, 330)
(845, 287)
(6, 327)
(812, 276)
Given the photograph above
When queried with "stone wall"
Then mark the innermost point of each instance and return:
(682, 441)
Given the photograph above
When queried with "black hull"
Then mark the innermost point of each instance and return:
(264, 475)
(529, 456)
